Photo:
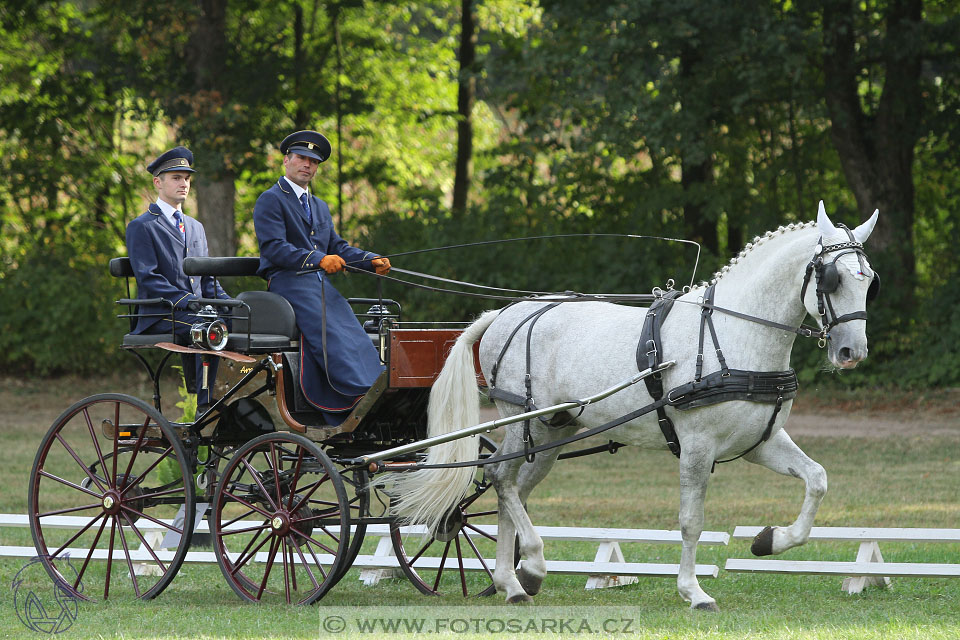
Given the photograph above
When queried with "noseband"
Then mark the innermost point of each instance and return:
(828, 280)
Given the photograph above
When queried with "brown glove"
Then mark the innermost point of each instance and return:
(381, 266)
(332, 263)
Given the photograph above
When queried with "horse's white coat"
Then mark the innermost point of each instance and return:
(581, 347)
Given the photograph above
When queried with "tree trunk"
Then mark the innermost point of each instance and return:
(214, 197)
(465, 97)
(696, 172)
(216, 191)
(876, 149)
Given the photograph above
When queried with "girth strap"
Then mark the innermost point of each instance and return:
(649, 351)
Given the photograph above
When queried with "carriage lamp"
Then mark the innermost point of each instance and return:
(211, 332)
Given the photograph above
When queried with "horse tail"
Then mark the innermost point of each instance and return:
(425, 496)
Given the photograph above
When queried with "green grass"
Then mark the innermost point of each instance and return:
(910, 482)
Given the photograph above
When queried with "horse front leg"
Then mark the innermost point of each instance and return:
(695, 468)
(782, 455)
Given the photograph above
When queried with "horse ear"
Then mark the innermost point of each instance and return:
(863, 232)
(823, 222)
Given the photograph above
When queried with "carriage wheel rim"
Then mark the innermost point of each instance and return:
(112, 505)
(280, 522)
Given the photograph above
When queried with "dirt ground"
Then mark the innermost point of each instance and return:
(35, 404)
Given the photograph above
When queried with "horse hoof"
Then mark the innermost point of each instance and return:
(529, 582)
(707, 606)
(520, 598)
(763, 543)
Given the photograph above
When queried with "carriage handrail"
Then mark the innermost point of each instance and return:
(500, 422)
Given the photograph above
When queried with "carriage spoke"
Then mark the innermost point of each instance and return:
(76, 535)
(58, 512)
(313, 488)
(74, 455)
(316, 542)
(241, 560)
(126, 552)
(477, 553)
(106, 584)
(306, 565)
(443, 561)
(426, 546)
(276, 473)
(483, 533)
(140, 514)
(478, 514)
(463, 574)
(266, 572)
(93, 546)
(286, 568)
(144, 542)
(263, 489)
(316, 561)
(116, 440)
(237, 519)
(296, 477)
(46, 474)
(136, 446)
(157, 494)
(232, 532)
(247, 504)
(96, 444)
(145, 473)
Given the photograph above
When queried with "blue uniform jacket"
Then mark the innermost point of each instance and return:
(156, 252)
(333, 378)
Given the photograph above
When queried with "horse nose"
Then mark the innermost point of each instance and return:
(850, 357)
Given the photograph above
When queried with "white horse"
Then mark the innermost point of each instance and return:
(578, 349)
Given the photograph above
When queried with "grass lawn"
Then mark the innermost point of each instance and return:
(874, 481)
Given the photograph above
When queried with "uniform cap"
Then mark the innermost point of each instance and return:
(306, 143)
(176, 159)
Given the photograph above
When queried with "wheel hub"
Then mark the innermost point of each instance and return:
(111, 502)
(450, 525)
(280, 523)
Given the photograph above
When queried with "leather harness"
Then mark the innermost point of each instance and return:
(772, 387)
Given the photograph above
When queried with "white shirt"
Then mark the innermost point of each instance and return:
(297, 189)
(167, 209)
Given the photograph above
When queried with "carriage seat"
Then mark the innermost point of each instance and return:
(272, 324)
(121, 268)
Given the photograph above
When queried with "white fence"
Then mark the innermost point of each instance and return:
(608, 568)
(869, 567)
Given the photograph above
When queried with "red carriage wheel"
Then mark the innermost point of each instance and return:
(358, 502)
(458, 557)
(281, 520)
(107, 482)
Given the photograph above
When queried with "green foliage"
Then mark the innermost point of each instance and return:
(700, 120)
(56, 311)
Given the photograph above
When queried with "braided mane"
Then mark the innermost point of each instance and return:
(757, 241)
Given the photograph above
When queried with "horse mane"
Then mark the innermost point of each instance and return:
(757, 241)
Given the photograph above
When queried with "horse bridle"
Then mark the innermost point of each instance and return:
(828, 280)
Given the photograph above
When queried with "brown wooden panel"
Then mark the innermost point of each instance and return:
(417, 355)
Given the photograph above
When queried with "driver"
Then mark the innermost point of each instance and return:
(157, 242)
(338, 362)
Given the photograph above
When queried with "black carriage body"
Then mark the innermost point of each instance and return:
(279, 483)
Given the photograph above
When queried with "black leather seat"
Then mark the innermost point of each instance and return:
(272, 324)
(121, 268)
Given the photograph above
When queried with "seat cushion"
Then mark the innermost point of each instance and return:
(259, 342)
(145, 339)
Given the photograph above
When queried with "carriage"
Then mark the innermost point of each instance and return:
(288, 499)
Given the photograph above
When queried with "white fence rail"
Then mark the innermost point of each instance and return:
(608, 568)
(869, 568)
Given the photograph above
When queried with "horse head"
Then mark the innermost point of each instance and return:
(838, 283)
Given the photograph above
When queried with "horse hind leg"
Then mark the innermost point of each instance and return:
(513, 481)
(782, 455)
